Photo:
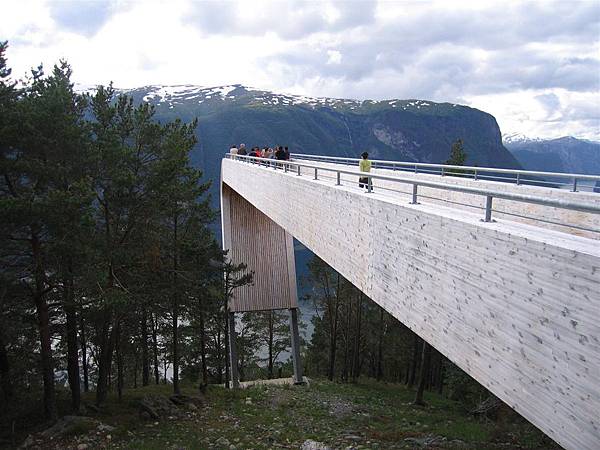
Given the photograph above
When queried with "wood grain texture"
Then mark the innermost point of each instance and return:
(514, 305)
(505, 209)
(255, 240)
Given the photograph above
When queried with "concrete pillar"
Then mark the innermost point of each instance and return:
(298, 376)
(233, 360)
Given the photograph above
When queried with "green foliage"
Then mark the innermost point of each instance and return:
(457, 154)
(105, 236)
(458, 157)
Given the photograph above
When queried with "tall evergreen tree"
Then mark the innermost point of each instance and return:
(47, 199)
(458, 156)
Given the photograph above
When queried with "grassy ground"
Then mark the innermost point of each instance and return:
(365, 415)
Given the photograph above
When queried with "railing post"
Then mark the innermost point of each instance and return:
(574, 184)
(414, 195)
(369, 184)
(416, 169)
(488, 208)
(298, 171)
(475, 175)
(443, 173)
(286, 167)
(316, 173)
(518, 178)
(338, 179)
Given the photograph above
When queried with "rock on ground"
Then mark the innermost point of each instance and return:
(314, 445)
(65, 427)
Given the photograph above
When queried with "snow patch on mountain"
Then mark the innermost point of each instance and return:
(515, 137)
(172, 95)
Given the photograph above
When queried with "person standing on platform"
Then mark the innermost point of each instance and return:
(280, 154)
(365, 166)
(233, 150)
(242, 150)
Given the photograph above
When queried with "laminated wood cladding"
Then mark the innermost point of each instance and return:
(266, 248)
(514, 305)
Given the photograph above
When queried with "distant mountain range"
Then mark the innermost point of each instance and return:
(565, 154)
(402, 130)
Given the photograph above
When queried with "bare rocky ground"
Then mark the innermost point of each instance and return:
(321, 416)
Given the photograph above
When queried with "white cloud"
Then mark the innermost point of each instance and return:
(534, 65)
(334, 57)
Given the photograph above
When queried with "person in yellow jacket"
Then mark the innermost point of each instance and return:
(365, 166)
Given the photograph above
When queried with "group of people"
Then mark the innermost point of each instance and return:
(282, 154)
(278, 152)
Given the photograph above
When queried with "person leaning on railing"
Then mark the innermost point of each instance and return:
(365, 166)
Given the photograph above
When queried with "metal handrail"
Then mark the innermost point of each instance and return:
(573, 177)
(489, 194)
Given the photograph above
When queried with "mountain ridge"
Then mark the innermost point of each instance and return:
(517, 138)
(566, 154)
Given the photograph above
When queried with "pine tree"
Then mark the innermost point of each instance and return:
(457, 154)
(47, 197)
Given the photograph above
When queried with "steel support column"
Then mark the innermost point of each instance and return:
(233, 360)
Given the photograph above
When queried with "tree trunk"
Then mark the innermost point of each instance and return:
(136, 368)
(355, 363)
(72, 347)
(43, 317)
(380, 345)
(203, 350)
(155, 347)
(107, 338)
(346, 342)
(175, 349)
(175, 310)
(333, 329)
(84, 362)
(270, 324)
(226, 349)
(73, 357)
(145, 360)
(107, 334)
(412, 370)
(119, 355)
(440, 376)
(165, 366)
(424, 375)
(5, 381)
(219, 357)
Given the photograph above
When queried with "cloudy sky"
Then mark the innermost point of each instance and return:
(535, 65)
